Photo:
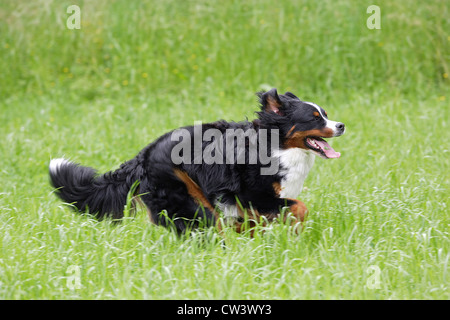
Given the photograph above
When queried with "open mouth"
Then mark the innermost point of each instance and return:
(322, 147)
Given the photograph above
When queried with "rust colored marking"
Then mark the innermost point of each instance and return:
(195, 191)
(298, 210)
(138, 201)
(316, 114)
(297, 139)
(277, 188)
(290, 131)
(250, 225)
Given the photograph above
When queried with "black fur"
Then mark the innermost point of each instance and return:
(99, 194)
(162, 191)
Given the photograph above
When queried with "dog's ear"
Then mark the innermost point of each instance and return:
(291, 95)
(270, 101)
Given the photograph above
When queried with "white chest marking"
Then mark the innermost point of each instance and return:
(295, 164)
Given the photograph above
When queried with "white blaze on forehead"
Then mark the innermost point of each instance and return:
(330, 124)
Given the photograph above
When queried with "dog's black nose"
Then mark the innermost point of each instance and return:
(340, 126)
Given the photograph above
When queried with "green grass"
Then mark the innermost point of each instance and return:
(137, 69)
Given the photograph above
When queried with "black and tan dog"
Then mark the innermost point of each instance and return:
(188, 190)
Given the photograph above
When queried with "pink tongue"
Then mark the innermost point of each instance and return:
(329, 151)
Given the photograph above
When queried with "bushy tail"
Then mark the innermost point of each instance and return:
(100, 195)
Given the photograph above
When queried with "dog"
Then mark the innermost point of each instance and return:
(170, 180)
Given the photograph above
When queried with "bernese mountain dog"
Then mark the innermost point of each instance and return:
(212, 174)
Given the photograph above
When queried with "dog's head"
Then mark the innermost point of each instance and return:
(301, 124)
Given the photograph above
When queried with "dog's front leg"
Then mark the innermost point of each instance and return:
(298, 209)
(266, 212)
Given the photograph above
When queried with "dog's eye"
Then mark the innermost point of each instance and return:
(316, 116)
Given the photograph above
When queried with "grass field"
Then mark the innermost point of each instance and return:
(379, 226)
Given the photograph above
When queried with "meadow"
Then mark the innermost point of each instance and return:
(379, 226)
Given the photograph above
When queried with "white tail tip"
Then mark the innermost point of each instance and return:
(55, 164)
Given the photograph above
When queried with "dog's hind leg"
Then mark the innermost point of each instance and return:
(178, 202)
